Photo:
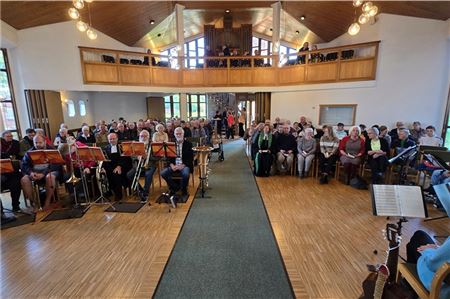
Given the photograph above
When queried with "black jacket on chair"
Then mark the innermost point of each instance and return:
(187, 156)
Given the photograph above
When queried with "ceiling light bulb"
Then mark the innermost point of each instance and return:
(363, 19)
(82, 26)
(227, 11)
(298, 32)
(367, 6)
(302, 18)
(78, 4)
(152, 22)
(73, 13)
(354, 29)
(91, 34)
(357, 3)
(373, 11)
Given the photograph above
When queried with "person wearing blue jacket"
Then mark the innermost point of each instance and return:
(429, 257)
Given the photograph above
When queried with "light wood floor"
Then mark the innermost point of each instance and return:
(101, 255)
(327, 234)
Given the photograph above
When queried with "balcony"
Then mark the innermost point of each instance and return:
(339, 64)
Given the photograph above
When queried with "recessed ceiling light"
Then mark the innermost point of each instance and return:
(152, 22)
(302, 18)
(270, 29)
(227, 11)
(159, 34)
(298, 32)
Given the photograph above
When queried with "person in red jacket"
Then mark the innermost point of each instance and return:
(351, 149)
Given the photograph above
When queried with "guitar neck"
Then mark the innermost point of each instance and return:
(391, 263)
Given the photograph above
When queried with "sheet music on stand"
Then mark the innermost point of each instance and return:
(398, 200)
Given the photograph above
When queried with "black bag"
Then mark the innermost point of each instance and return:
(358, 183)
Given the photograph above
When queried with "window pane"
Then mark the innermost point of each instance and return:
(194, 109)
(192, 53)
(202, 109)
(4, 87)
(173, 52)
(201, 42)
(200, 61)
(82, 108)
(7, 121)
(255, 42)
(168, 112)
(176, 98)
(70, 108)
(202, 98)
(176, 110)
(192, 63)
(2, 60)
(263, 52)
(264, 44)
(283, 50)
(201, 52)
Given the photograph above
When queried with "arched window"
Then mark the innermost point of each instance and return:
(82, 107)
(70, 108)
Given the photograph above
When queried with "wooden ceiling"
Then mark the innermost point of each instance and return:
(128, 21)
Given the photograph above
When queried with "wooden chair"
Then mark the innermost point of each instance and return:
(409, 272)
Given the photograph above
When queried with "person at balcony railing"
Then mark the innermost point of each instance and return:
(316, 57)
(258, 61)
(235, 62)
(146, 60)
(417, 132)
(430, 139)
(245, 62)
(301, 57)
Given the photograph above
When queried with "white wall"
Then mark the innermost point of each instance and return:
(76, 97)
(412, 76)
(109, 105)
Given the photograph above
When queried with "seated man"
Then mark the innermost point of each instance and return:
(10, 149)
(402, 142)
(27, 142)
(41, 174)
(430, 138)
(286, 146)
(144, 136)
(429, 257)
(117, 166)
(182, 164)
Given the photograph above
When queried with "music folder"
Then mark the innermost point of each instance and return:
(6, 166)
(89, 154)
(133, 148)
(398, 200)
(46, 156)
(171, 150)
(158, 149)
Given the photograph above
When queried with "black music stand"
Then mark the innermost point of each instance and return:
(165, 150)
(403, 159)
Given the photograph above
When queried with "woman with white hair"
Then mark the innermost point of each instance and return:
(61, 137)
(352, 148)
(306, 151)
(377, 151)
(86, 137)
(160, 135)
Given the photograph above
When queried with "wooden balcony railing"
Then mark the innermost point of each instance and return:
(340, 64)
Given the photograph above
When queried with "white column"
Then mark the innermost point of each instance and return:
(180, 32)
(276, 18)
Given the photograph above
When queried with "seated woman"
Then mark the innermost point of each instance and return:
(429, 257)
(160, 135)
(306, 151)
(377, 151)
(351, 149)
(329, 145)
(265, 151)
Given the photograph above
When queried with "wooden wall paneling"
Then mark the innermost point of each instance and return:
(208, 31)
(246, 38)
(165, 76)
(241, 76)
(156, 108)
(102, 73)
(41, 108)
(265, 76)
(135, 75)
(54, 111)
(291, 75)
(321, 72)
(216, 77)
(192, 77)
(356, 69)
